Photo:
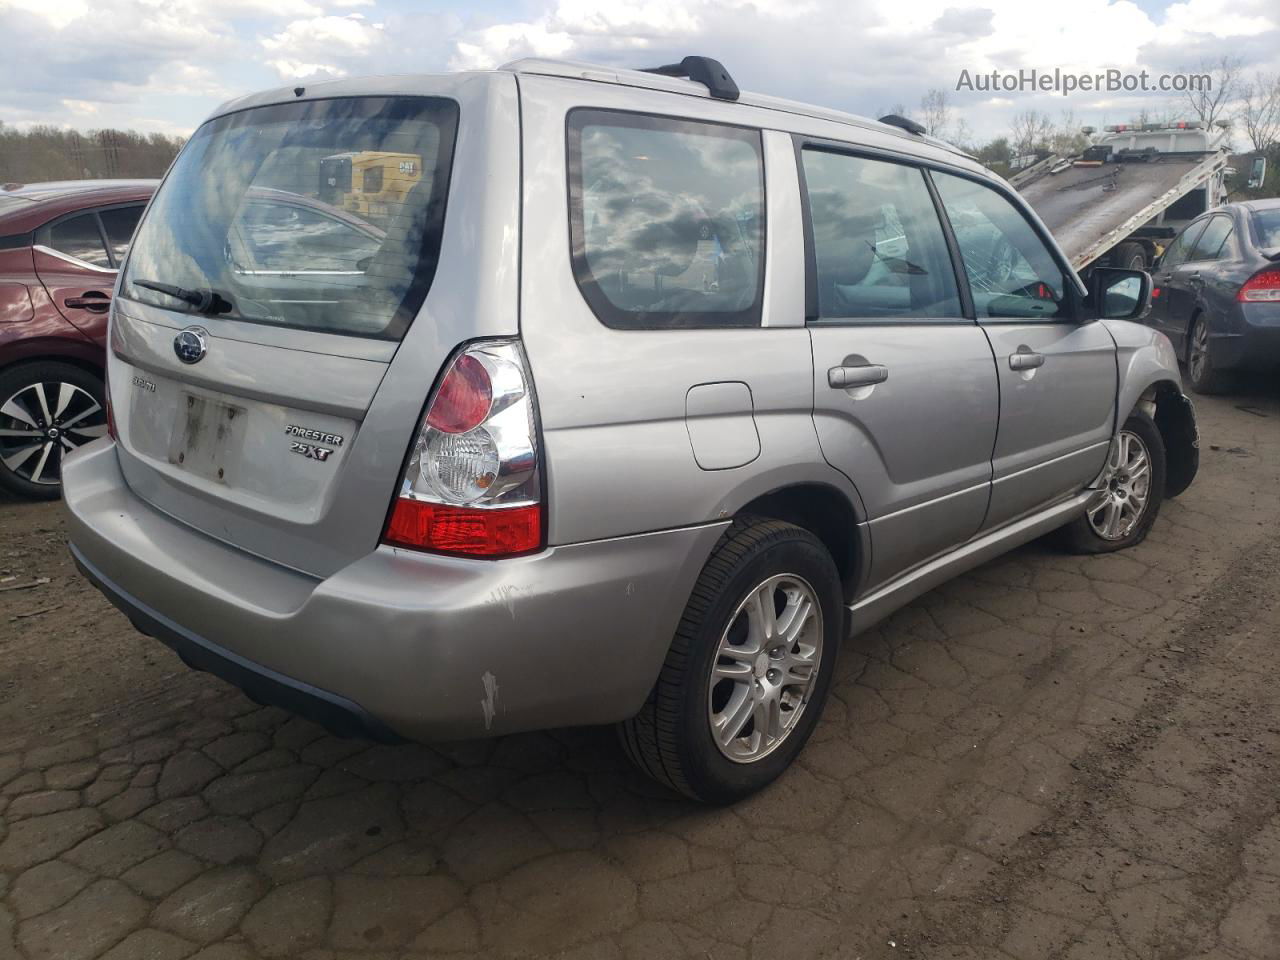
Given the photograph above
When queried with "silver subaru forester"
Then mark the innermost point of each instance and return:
(455, 406)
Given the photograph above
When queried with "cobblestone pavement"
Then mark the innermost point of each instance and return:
(1052, 757)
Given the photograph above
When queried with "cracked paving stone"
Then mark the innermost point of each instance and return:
(557, 902)
(70, 776)
(220, 840)
(85, 927)
(117, 848)
(163, 873)
(381, 913)
(170, 815)
(244, 794)
(291, 918)
(46, 886)
(150, 945)
(331, 834)
(185, 773)
(211, 905)
(41, 838)
(45, 801)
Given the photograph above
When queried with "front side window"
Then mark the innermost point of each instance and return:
(320, 215)
(1012, 274)
(878, 247)
(1182, 245)
(80, 237)
(1214, 238)
(666, 220)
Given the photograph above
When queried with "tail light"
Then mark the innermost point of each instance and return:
(471, 486)
(1262, 287)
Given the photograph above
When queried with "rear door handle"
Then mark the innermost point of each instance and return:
(1027, 360)
(863, 375)
(95, 301)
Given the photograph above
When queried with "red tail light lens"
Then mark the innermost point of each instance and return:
(464, 397)
(471, 486)
(477, 532)
(1263, 287)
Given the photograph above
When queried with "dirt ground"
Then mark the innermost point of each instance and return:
(1052, 757)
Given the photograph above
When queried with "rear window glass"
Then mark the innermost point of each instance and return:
(1267, 225)
(666, 220)
(324, 215)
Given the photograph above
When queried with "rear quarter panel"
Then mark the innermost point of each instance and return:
(613, 403)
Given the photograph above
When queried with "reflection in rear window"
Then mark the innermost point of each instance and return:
(324, 215)
(1267, 225)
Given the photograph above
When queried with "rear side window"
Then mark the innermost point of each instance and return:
(666, 220)
(1214, 238)
(1266, 223)
(878, 247)
(80, 237)
(319, 215)
(1012, 274)
(119, 223)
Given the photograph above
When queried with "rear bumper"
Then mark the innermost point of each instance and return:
(398, 643)
(1254, 343)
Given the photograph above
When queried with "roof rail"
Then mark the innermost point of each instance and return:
(710, 73)
(893, 120)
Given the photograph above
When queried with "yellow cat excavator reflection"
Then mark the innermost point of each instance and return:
(371, 183)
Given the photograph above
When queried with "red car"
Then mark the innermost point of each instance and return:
(60, 247)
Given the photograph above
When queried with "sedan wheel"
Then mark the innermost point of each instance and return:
(1204, 377)
(46, 411)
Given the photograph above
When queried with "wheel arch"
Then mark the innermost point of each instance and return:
(829, 514)
(1175, 418)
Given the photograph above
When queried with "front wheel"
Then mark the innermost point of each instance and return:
(1129, 493)
(747, 674)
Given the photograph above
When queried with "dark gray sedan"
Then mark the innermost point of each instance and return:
(1217, 293)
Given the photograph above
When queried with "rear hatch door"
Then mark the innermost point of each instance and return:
(275, 335)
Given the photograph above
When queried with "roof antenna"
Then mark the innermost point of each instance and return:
(710, 73)
(299, 91)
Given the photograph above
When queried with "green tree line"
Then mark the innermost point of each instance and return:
(39, 153)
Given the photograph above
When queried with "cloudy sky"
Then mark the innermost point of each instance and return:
(162, 65)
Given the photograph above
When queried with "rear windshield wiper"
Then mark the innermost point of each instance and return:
(204, 301)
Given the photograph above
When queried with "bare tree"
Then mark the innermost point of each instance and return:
(1209, 104)
(1067, 137)
(935, 113)
(1030, 132)
(1259, 111)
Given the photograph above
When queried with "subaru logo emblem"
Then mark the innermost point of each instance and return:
(189, 345)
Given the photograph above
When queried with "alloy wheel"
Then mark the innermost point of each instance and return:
(1198, 362)
(1120, 503)
(765, 667)
(43, 421)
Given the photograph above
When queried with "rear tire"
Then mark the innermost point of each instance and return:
(1129, 498)
(46, 409)
(696, 732)
(1129, 256)
(1201, 373)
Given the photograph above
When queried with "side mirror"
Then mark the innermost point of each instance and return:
(1119, 294)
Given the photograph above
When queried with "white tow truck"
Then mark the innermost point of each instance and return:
(1120, 201)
